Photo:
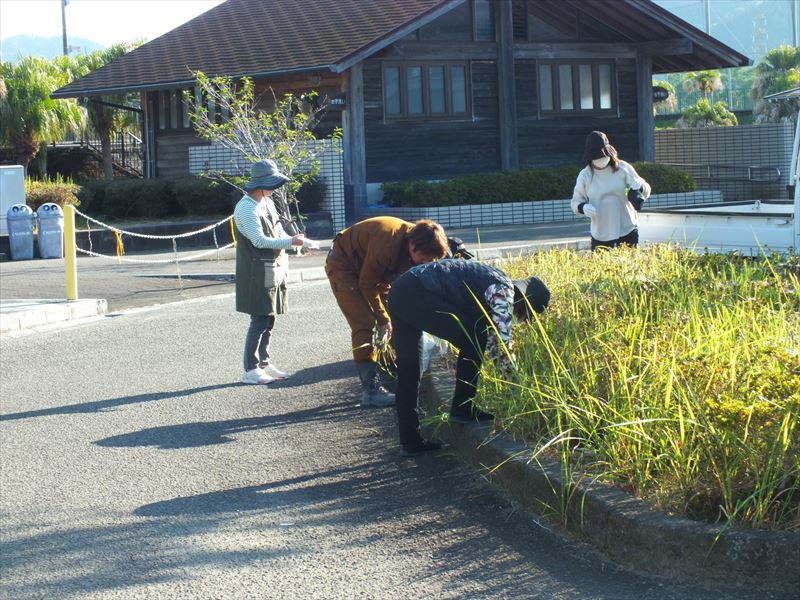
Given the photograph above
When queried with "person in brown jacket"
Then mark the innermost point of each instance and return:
(362, 263)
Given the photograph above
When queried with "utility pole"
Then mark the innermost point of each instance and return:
(64, 25)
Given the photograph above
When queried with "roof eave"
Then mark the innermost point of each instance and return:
(728, 55)
(165, 85)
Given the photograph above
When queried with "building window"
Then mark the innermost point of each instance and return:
(425, 90)
(172, 111)
(576, 87)
(484, 21)
(471, 20)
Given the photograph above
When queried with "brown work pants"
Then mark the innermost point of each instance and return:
(355, 309)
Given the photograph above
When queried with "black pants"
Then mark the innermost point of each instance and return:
(256, 344)
(414, 310)
(631, 239)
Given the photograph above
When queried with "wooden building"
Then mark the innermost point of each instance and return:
(429, 89)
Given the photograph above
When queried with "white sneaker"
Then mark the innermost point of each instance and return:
(274, 372)
(257, 376)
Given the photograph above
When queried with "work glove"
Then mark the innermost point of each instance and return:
(589, 210)
(457, 249)
(636, 198)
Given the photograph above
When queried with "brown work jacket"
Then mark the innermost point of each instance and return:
(376, 250)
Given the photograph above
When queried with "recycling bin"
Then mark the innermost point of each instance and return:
(20, 231)
(51, 230)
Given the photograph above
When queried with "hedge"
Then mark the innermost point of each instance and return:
(552, 183)
(163, 198)
(60, 191)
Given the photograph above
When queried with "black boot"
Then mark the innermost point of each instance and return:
(467, 412)
(373, 393)
(422, 447)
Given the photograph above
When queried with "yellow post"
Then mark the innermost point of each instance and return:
(70, 252)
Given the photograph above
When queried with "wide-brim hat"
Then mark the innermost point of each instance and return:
(534, 293)
(597, 146)
(264, 175)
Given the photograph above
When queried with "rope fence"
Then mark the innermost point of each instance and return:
(173, 237)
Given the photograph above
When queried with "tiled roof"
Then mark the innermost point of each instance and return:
(254, 37)
(273, 37)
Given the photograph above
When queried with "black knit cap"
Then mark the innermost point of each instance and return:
(597, 146)
(535, 292)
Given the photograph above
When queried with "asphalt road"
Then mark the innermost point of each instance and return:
(135, 466)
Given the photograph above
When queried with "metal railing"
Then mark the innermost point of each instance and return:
(126, 151)
(753, 173)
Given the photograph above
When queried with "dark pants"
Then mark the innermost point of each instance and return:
(632, 239)
(256, 344)
(414, 310)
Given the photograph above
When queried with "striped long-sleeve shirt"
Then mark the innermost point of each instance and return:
(247, 217)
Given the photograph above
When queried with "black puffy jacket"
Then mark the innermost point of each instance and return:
(459, 282)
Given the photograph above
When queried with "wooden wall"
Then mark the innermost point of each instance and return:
(553, 141)
(431, 148)
(172, 146)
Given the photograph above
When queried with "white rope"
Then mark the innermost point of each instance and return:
(155, 261)
(153, 237)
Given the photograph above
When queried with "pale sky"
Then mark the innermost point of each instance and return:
(103, 21)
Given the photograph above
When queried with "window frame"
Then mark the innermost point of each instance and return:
(576, 110)
(167, 101)
(425, 66)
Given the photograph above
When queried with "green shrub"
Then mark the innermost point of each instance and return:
(704, 114)
(198, 196)
(92, 195)
(310, 196)
(59, 191)
(665, 179)
(143, 198)
(554, 183)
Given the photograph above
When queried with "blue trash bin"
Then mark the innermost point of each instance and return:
(20, 231)
(51, 231)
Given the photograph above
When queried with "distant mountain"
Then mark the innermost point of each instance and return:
(11, 49)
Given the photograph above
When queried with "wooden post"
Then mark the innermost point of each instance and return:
(644, 102)
(70, 253)
(355, 164)
(506, 84)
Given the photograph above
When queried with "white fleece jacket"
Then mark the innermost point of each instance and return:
(605, 190)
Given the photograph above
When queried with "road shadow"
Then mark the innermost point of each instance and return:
(74, 562)
(344, 369)
(193, 435)
(106, 405)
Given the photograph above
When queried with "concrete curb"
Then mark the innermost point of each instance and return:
(616, 523)
(19, 315)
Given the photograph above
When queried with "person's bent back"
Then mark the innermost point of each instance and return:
(363, 262)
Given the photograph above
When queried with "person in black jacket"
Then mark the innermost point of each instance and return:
(451, 299)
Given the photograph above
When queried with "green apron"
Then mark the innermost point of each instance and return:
(261, 275)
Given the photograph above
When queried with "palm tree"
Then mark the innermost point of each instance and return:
(705, 82)
(29, 118)
(778, 71)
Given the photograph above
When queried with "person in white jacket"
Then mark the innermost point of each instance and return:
(609, 191)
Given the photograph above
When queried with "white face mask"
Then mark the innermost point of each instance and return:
(601, 163)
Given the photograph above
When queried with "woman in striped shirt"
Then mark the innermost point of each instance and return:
(262, 268)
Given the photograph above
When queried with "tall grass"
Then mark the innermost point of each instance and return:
(671, 374)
